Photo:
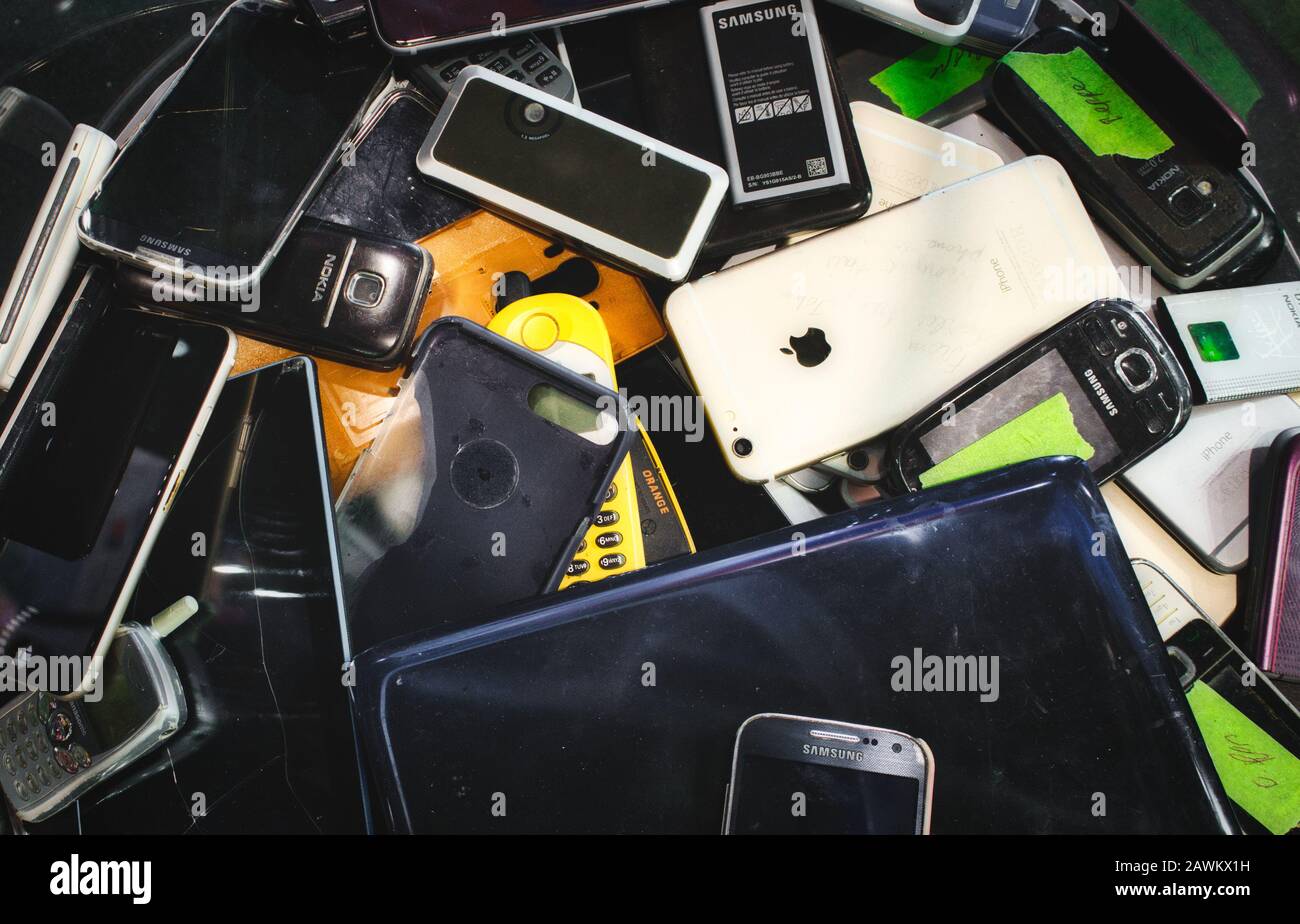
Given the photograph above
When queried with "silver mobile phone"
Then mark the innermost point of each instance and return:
(52, 750)
(796, 775)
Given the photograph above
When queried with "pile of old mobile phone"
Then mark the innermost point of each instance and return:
(1187, 211)
(789, 146)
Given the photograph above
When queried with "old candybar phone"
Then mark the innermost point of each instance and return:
(1102, 384)
(333, 292)
(52, 749)
(223, 168)
(1248, 721)
(796, 775)
(1273, 603)
(1155, 168)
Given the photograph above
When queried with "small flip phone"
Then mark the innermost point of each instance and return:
(53, 750)
(1102, 385)
(1273, 601)
(333, 292)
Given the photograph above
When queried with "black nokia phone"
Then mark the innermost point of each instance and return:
(1102, 384)
(333, 292)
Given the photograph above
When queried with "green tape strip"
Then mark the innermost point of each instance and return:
(1091, 103)
(930, 76)
(1204, 50)
(1047, 429)
(1258, 773)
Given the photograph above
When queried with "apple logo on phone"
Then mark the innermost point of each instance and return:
(811, 349)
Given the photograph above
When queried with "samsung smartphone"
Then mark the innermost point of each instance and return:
(219, 173)
(51, 248)
(803, 353)
(1156, 186)
(83, 505)
(1198, 484)
(333, 292)
(793, 775)
(1248, 705)
(943, 21)
(53, 750)
(1273, 602)
(569, 172)
(1102, 385)
(408, 26)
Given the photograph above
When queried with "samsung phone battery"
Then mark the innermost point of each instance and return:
(773, 96)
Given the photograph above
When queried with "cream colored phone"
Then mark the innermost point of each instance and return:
(807, 351)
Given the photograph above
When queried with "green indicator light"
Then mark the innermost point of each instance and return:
(1213, 341)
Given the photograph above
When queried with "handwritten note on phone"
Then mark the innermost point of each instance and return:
(1091, 103)
(929, 77)
(1258, 773)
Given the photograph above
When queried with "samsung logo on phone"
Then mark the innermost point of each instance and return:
(1100, 389)
(745, 19)
(817, 750)
(165, 245)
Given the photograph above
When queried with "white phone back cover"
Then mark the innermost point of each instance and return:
(911, 302)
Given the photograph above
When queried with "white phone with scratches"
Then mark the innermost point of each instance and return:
(803, 353)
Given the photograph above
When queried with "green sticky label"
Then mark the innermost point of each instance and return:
(930, 76)
(1047, 429)
(1204, 50)
(1091, 103)
(1258, 774)
(1213, 341)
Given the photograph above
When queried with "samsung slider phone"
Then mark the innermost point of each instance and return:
(795, 775)
(47, 257)
(219, 173)
(1101, 385)
(569, 172)
(408, 26)
(333, 292)
(943, 21)
(52, 750)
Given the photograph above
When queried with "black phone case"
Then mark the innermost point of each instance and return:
(468, 498)
(1144, 423)
(1203, 131)
(381, 191)
(665, 91)
(1272, 605)
(305, 300)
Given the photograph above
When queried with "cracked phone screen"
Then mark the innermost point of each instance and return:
(268, 745)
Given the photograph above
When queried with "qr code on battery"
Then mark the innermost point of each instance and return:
(816, 166)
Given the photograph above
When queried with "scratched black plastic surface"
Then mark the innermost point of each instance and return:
(428, 538)
(549, 708)
(268, 744)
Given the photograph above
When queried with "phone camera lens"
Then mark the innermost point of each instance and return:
(534, 113)
(858, 459)
(897, 748)
(531, 120)
(742, 447)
